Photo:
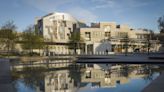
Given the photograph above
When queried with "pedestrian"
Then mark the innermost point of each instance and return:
(106, 52)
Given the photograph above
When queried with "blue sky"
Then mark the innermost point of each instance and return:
(135, 13)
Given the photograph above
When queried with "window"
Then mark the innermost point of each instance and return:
(88, 74)
(107, 34)
(88, 36)
(118, 26)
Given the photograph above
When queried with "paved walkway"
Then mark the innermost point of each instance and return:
(156, 85)
(134, 59)
(5, 76)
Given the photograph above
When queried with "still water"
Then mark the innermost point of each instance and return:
(84, 78)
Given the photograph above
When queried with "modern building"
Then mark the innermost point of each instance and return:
(99, 38)
(106, 37)
(56, 29)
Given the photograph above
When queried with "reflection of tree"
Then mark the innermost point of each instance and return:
(15, 76)
(126, 71)
(149, 72)
(148, 77)
(75, 73)
(33, 76)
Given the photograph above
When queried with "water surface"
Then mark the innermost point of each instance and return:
(84, 77)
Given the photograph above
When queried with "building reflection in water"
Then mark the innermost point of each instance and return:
(80, 76)
(58, 80)
(109, 76)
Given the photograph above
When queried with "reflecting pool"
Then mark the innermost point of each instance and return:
(84, 77)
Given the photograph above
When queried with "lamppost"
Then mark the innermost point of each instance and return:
(8, 46)
(9, 32)
(126, 45)
(148, 45)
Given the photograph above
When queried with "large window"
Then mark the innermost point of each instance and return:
(107, 34)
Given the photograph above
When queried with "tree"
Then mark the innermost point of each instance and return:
(161, 24)
(31, 40)
(75, 42)
(148, 44)
(161, 28)
(8, 35)
(153, 36)
(150, 36)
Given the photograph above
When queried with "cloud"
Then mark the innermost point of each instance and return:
(77, 10)
(16, 4)
(82, 14)
(103, 4)
(118, 4)
(86, 12)
(47, 5)
(137, 3)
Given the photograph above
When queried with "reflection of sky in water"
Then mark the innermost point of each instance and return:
(21, 87)
(134, 85)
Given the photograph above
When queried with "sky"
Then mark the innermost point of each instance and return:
(135, 13)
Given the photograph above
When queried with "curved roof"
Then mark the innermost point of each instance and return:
(61, 16)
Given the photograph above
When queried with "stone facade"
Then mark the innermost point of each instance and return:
(116, 37)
